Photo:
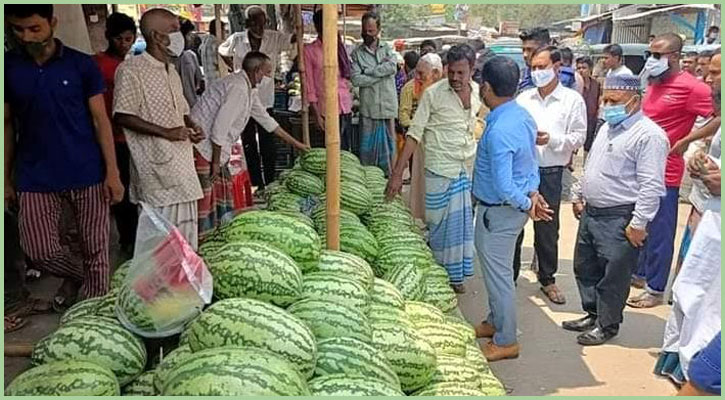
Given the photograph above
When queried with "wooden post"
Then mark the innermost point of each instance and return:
(305, 113)
(332, 127)
(344, 23)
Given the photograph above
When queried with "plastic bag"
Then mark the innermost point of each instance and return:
(167, 284)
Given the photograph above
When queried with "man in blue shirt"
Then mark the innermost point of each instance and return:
(62, 151)
(505, 182)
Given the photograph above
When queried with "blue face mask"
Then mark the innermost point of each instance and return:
(616, 114)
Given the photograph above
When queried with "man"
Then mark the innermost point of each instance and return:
(411, 60)
(428, 46)
(222, 111)
(619, 196)
(61, 152)
(531, 40)
(316, 84)
(689, 63)
(444, 121)
(673, 100)
(703, 64)
(713, 35)
(121, 35)
(210, 55)
(428, 71)
(149, 104)
(591, 93)
(373, 71)
(614, 59)
(261, 156)
(505, 187)
(651, 38)
(567, 74)
(187, 65)
(561, 120)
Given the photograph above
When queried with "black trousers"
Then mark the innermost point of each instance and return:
(261, 155)
(125, 213)
(546, 234)
(15, 290)
(604, 261)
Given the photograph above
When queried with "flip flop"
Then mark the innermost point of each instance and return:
(554, 294)
(15, 323)
(646, 300)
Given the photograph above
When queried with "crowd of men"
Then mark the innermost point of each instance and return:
(480, 138)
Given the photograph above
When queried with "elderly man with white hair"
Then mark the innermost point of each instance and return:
(428, 71)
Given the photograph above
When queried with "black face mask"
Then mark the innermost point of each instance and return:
(37, 49)
(368, 40)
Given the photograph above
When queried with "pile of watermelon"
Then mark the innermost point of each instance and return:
(377, 318)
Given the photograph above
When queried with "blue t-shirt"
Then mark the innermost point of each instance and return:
(57, 148)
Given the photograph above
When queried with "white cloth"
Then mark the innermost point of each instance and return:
(622, 70)
(273, 43)
(185, 217)
(563, 115)
(695, 316)
(699, 196)
(224, 110)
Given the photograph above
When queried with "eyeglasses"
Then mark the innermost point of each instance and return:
(657, 55)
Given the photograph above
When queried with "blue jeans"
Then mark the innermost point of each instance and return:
(655, 259)
(497, 229)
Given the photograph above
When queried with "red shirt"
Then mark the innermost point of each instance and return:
(108, 65)
(674, 104)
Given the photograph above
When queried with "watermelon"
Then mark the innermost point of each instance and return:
(83, 308)
(298, 216)
(385, 293)
(395, 256)
(304, 183)
(98, 340)
(107, 304)
(143, 385)
(212, 243)
(461, 325)
(168, 364)
(293, 237)
(346, 264)
(231, 371)
(448, 389)
(284, 201)
(355, 239)
(257, 271)
(65, 378)
(253, 323)
(452, 369)
(380, 313)
(133, 310)
(408, 279)
(410, 354)
(440, 295)
(353, 173)
(398, 235)
(314, 161)
(344, 385)
(329, 319)
(421, 313)
(491, 386)
(119, 275)
(355, 197)
(475, 358)
(345, 355)
(445, 339)
(336, 288)
(374, 173)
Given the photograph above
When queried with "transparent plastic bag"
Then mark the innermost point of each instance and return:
(167, 284)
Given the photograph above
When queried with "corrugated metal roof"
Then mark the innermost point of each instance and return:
(663, 10)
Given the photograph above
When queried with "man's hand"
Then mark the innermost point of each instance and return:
(395, 184)
(635, 236)
(543, 212)
(695, 163)
(542, 138)
(197, 134)
(113, 189)
(577, 208)
(179, 134)
(711, 178)
(302, 148)
(320, 121)
(680, 147)
(11, 197)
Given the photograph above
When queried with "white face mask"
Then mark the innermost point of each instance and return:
(176, 45)
(542, 77)
(656, 67)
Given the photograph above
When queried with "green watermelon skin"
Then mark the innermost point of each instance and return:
(381, 314)
(168, 364)
(394, 257)
(352, 357)
(132, 308)
(84, 308)
(452, 369)
(119, 275)
(448, 389)
(461, 325)
(408, 279)
(420, 312)
(328, 319)
(336, 288)
(235, 372)
(304, 183)
(65, 378)
(357, 240)
(314, 161)
(410, 354)
(344, 385)
(355, 197)
(255, 270)
(346, 264)
(143, 385)
(445, 339)
(98, 340)
(285, 201)
(385, 293)
(253, 323)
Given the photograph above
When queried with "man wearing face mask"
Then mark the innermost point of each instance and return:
(674, 99)
(616, 199)
(58, 150)
(149, 104)
(561, 120)
(261, 153)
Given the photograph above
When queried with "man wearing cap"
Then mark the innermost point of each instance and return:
(618, 196)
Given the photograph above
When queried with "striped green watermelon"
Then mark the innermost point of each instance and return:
(132, 310)
(440, 295)
(83, 308)
(345, 385)
(119, 275)
(346, 264)
(355, 197)
(345, 355)
(468, 332)
(355, 239)
(491, 386)
(452, 369)
(97, 340)
(475, 358)
(448, 389)
(349, 158)
(394, 256)
(410, 354)
(170, 361)
(398, 235)
(143, 385)
(314, 161)
(373, 172)
(408, 279)
(304, 183)
(293, 237)
(255, 270)
(385, 293)
(381, 314)
(253, 323)
(353, 173)
(107, 304)
(232, 371)
(273, 189)
(212, 244)
(65, 378)
(298, 216)
(285, 201)
(328, 319)
(337, 288)
(445, 339)
(420, 312)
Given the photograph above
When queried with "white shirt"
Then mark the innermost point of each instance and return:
(273, 43)
(622, 70)
(563, 115)
(224, 110)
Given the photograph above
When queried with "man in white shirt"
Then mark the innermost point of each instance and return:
(561, 119)
(614, 59)
(271, 43)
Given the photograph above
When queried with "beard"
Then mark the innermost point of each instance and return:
(37, 49)
(368, 40)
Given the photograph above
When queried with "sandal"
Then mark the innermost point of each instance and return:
(645, 300)
(553, 293)
(14, 323)
(33, 306)
(458, 288)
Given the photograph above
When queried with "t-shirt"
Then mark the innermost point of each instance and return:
(108, 65)
(622, 70)
(674, 104)
(57, 148)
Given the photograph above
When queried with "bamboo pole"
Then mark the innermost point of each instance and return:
(344, 22)
(332, 127)
(305, 113)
